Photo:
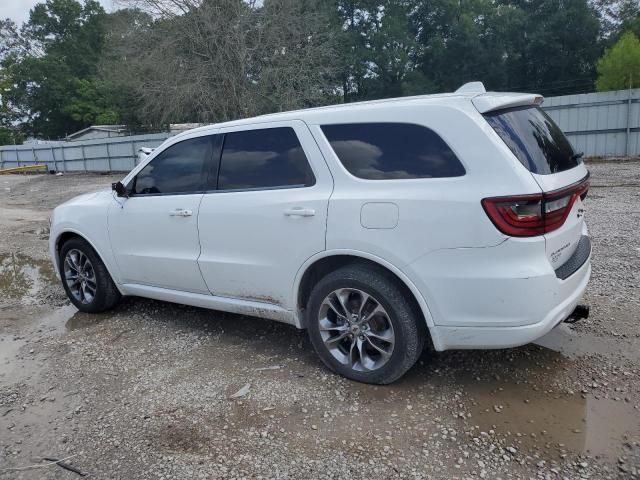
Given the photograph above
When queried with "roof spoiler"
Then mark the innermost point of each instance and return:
(498, 101)
(489, 101)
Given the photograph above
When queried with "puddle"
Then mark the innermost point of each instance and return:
(539, 419)
(68, 318)
(59, 320)
(22, 278)
(14, 362)
(9, 348)
(571, 344)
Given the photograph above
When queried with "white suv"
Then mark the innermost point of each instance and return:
(376, 226)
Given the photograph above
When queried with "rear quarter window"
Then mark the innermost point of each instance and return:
(384, 151)
(534, 138)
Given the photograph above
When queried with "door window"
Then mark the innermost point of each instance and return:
(261, 159)
(181, 168)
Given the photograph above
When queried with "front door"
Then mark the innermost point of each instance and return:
(268, 215)
(154, 232)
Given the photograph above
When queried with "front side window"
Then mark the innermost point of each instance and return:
(181, 168)
(385, 151)
(534, 139)
(265, 158)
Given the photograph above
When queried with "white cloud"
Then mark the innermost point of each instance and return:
(18, 10)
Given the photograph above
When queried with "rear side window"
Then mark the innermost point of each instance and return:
(265, 158)
(381, 151)
(178, 169)
(534, 139)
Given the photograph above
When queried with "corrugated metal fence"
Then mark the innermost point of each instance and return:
(102, 155)
(603, 124)
(598, 124)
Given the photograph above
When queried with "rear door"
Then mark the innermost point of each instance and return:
(539, 144)
(268, 214)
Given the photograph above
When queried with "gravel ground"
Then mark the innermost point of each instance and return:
(161, 391)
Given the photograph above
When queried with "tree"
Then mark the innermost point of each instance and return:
(549, 46)
(559, 45)
(628, 17)
(463, 41)
(619, 68)
(379, 50)
(11, 42)
(126, 30)
(59, 50)
(208, 60)
(168, 61)
(10, 136)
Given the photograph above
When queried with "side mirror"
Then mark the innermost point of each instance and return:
(120, 189)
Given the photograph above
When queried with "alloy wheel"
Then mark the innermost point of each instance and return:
(80, 276)
(356, 329)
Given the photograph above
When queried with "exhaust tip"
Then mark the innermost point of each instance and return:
(580, 312)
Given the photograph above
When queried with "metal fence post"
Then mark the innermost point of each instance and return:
(133, 149)
(84, 159)
(53, 157)
(17, 156)
(108, 157)
(64, 161)
(627, 147)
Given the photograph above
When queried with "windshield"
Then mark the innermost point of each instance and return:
(534, 139)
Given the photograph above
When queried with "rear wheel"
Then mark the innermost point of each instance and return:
(363, 326)
(85, 277)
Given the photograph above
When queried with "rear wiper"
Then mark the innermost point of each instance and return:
(577, 156)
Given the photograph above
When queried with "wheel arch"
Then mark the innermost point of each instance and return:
(325, 262)
(67, 235)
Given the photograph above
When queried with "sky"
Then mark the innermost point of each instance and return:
(18, 10)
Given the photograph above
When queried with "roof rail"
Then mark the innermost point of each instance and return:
(472, 87)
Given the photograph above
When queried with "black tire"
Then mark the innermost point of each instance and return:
(106, 293)
(407, 323)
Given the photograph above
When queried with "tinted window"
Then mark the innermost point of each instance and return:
(378, 151)
(178, 169)
(267, 158)
(534, 139)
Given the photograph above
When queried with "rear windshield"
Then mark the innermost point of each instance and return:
(534, 139)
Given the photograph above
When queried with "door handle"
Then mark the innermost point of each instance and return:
(299, 212)
(180, 212)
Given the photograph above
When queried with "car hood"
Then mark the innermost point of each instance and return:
(88, 197)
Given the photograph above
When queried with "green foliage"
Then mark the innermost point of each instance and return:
(541, 45)
(50, 79)
(619, 68)
(380, 50)
(91, 103)
(9, 136)
(401, 47)
(72, 65)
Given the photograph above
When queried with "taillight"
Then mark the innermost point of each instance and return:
(531, 215)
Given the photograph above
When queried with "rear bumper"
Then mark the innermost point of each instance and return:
(505, 337)
(496, 297)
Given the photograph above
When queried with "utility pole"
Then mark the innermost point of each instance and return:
(627, 149)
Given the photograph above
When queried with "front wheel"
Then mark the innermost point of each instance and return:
(85, 278)
(363, 326)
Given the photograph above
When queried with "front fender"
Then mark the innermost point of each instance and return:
(89, 220)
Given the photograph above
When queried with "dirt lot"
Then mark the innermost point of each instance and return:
(144, 391)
